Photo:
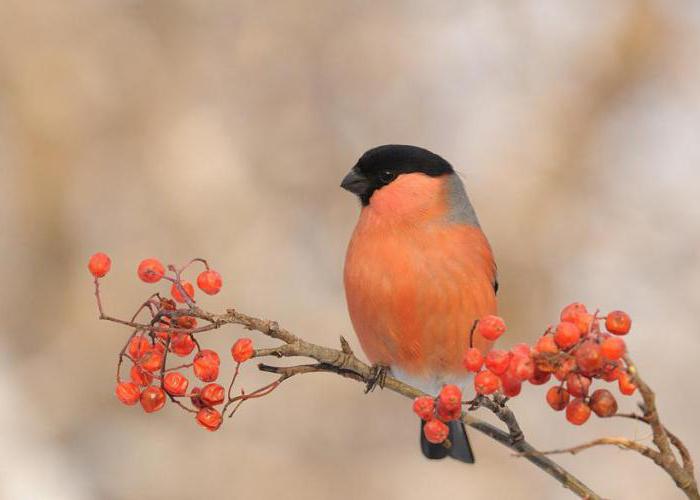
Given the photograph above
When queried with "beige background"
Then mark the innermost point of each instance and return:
(222, 129)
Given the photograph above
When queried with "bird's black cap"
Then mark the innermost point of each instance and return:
(381, 165)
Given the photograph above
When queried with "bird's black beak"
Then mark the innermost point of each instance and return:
(355, 182)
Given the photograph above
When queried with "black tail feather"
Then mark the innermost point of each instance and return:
(460, 448)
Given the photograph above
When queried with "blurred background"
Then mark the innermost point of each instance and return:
(222, 129)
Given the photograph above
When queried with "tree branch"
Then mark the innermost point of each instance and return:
(344, 363)
(682, 475)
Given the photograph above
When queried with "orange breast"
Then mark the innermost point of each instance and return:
(415, 290)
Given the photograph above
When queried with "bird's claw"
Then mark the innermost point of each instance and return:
(500, 399)
(377, 377)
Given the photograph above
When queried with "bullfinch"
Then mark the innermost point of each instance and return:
(419, 272)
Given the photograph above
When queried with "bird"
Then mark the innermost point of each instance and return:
(419, 273)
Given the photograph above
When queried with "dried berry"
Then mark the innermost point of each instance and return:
(578, 385)
(603, 403)
(588, 357)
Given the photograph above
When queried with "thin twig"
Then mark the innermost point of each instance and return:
(620, 442)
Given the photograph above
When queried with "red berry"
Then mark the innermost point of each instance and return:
(448, 414)
(539, 377)
(577, 385)
(138, 346)
(566, 334)
(613, 348)
(424, 407)
(189, 290)
(152, 399)
(140, 376)
(99, 264)
(557, 398)
(618, 322)
(175, 384)
(498, 360)
(577, 412)
(588, 357)
(625, 384)
(168, 305)
(522, 367)
(473, 359)
(603, 403)
(491, 327)
(611, 372)
(510, 384)
(209, 418)
(186, 322)
(435, 431)
(212, 394)
(162, 335)
(151, 270)
(209, 282)
(195, 399)
(450, 397)
(546, 345)
(128, 393)
(486, 382)
(566, 367)
(522, 348)
(577, 314)
(572, 311)
(182, 344)
(153, 359)
(206, 365)
(242, 350)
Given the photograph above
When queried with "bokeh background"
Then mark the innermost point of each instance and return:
(222, 129)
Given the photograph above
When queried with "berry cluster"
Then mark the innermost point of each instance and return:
(171, 333)
(446, 407)
(575, 352)
(578, 351)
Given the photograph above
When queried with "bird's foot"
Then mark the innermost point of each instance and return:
(500, 399)
(377, 377)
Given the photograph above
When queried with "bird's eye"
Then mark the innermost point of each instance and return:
(387, 176)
